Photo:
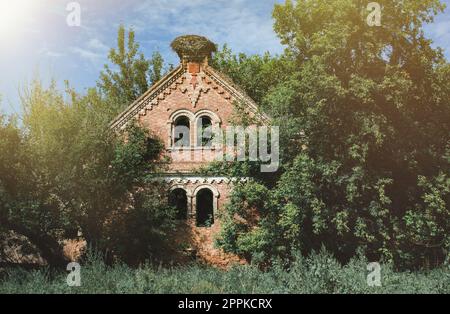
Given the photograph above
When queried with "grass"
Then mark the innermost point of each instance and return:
(319, 273)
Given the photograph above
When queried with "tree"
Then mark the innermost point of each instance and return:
(66, 171)
(156, 67)
(131, 73)
(255, 74)
(23, 208)
(369, 106)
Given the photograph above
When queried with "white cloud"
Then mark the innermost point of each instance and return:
(95, 52)
(54, 54)
(50, 53)
(96, 44)
(89, 55)
(244, 25)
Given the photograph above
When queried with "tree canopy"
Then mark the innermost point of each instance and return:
(63, 170)
(365, 120)
(130, 74)
(364, 115)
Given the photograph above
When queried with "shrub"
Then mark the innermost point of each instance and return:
(318, 273)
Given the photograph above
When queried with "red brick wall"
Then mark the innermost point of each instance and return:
(202, 239)
(157, 119)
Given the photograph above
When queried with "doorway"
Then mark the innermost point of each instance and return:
(205, 208)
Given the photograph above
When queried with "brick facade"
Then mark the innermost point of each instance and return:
(193, 90)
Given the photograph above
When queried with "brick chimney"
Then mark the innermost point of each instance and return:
(194, 51)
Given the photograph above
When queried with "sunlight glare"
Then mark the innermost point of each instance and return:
(15, 16)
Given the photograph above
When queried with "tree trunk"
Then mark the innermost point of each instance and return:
(49, 247)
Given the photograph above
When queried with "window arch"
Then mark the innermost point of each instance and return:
(187, 129)
(207, 123)
(180, 128)
(206, 198)
(205, 208)
(182, 132)
(204, 131)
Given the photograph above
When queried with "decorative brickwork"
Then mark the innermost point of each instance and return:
(193, 90)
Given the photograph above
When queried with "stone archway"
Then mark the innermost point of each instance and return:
(215, 200)
(204, 208)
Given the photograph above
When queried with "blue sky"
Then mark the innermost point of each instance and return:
(36, 40)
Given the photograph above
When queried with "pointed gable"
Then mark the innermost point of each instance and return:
(192, 86)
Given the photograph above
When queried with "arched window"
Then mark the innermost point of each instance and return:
(182, 132)
(205, 208)
(178, 200)
(204, 131)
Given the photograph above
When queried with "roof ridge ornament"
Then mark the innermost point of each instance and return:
(194, 51)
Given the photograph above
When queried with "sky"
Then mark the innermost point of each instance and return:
(36, 40)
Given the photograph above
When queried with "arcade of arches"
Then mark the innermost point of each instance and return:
(201, 205)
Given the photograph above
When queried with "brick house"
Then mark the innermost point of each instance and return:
(192, 97)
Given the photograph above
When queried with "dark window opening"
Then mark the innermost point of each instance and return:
(205, 134)
(178, 200)
(182, 132)
(205, 208)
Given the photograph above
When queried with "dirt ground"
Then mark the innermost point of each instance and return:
(190, 244)
(198, 244)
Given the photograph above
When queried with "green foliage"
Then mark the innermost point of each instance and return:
(318, 273)
(14, 164)
(64, 171)
(256, 75)
(131, 73)
(365, 123)
(365, 149)
(69, 172)
(156, 67)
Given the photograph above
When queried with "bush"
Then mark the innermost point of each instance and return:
(318, 273)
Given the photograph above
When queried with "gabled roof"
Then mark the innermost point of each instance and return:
(169, 83)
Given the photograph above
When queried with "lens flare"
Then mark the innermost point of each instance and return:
(15, 16)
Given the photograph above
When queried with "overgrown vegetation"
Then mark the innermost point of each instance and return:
(365, 149)
(62, 170)
(319, 273)
(130, 74)
(364, 114)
